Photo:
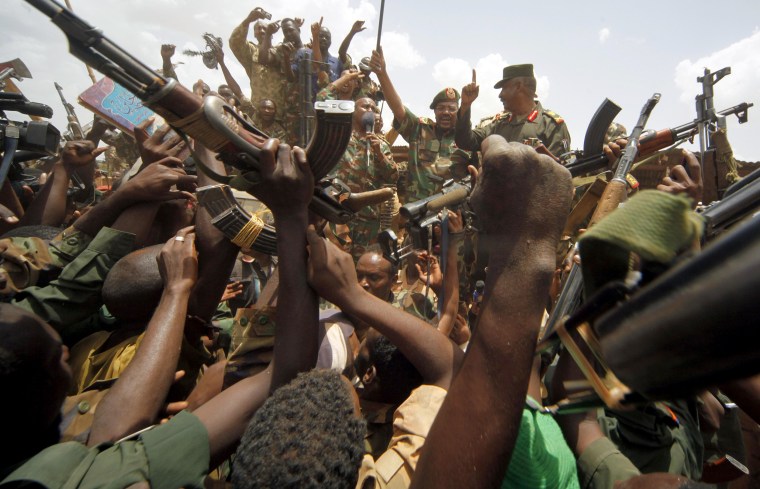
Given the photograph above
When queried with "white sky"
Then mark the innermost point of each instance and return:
(582, 51)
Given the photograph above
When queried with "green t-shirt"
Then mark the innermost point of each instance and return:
(541, 458)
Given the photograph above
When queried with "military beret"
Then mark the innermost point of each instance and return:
(446, 95)
(513, 71)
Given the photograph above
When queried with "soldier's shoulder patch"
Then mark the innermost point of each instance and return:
(554, 116)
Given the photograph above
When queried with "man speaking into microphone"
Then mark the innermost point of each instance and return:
(366, 165)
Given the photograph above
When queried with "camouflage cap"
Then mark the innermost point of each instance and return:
(446, 95)
(614, 132)
(513, 71)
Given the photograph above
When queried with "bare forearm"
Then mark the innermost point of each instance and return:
(296, 342)
(136, 399)
(392, 97)
(49, 207)
(231, 81)
(431, 353)
(507, 333)
(217, 254)
(227, 415)
(450, 287)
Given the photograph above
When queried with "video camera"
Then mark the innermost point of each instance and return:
(23, 141)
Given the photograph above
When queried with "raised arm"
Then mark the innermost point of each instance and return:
(286, 188)
(243, 50)
(49, 207)
(231, 82)
(521, 237)
(356, 28)
(136, 398)
(377, 63)
(265, 49)
(464, 136)
(332, 274)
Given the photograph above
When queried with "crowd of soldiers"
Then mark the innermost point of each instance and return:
(140, 345)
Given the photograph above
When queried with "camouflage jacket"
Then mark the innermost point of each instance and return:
(431, 160)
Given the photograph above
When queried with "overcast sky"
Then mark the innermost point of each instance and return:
(582, 51)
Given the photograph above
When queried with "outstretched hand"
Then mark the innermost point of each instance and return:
(80, 153)
(163, 180)
(684, 178)
(157, 146)
(358, 27)
(178, 261)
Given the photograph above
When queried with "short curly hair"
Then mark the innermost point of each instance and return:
(305, 436)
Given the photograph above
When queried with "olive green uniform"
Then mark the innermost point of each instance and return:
(432, 159)
(540, 125)
(75, 295)
(175, 454)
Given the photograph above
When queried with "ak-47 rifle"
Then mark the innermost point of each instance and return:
(208, 120)
(614, 194)
(75, 132)
(594, 161)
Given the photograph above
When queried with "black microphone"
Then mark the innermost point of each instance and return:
(368, 122)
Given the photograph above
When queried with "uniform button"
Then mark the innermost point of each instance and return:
(83, 407)
(263, 320)
(72, 241)
(243, 321)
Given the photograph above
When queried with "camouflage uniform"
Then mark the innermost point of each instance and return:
(274, 130)
(267, 81)
(540, 125)
(431, 160)
(367, 88)
(359, 176)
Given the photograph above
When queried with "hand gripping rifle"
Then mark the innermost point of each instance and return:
(209, 120)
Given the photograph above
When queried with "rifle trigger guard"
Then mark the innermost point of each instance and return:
(226, 121)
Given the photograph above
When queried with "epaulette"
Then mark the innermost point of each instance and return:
(555, 116)
(426, 120)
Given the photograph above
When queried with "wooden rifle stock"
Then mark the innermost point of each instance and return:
(653, 141)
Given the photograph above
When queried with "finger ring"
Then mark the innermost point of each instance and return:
(181, 239)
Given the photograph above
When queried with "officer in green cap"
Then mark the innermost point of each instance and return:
(433, 155)
(524, 119)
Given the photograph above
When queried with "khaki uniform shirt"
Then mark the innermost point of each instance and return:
(267, 81)
(411, 424)
(601, 465)
(540, 125)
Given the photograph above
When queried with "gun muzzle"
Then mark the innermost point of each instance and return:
(357, 200)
